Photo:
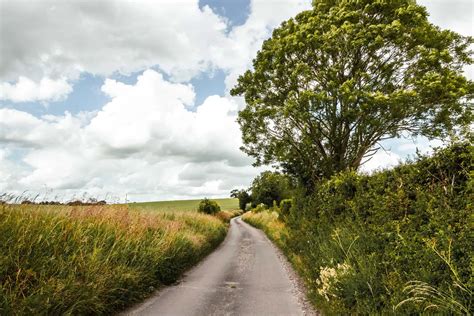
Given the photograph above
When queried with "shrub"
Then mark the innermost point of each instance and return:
(259, 208)
(285, 206)
(208, 207)
(243, 196)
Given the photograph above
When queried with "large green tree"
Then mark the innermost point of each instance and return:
(334, 81)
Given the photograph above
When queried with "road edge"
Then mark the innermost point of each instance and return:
(143, 304)
(295, 279)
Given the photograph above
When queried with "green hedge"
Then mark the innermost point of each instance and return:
(396, 242)
(363, 239)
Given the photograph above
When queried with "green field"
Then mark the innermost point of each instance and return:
(184, 205)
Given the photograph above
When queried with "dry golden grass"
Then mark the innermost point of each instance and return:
(94, 259)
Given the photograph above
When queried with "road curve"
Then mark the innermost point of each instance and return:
(244, 276)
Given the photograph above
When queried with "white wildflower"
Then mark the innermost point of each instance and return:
(328, 278)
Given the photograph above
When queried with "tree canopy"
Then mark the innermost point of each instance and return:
(270, 186)
(243, 197)
(334, 81)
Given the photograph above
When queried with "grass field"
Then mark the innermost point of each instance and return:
(98, 259)
(185, 205)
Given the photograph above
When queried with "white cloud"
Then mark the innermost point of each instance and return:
(144, 142)
(243, 42)
(149, 141)
(64, 38)
(152, 116)
(456, 15)
(381, 160)
(10, 171)
(51, 39)
(22, 128)
(26, 90)
(397, 150)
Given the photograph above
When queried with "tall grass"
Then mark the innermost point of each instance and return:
(97, 259)
(226, 216)
(269, 223)
(435, 299)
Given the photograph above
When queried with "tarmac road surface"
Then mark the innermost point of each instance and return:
(245, 275)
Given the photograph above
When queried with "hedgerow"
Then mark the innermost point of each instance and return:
(398, 241)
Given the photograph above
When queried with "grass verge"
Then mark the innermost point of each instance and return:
(95, 260)
(271, 226)
(226, 216)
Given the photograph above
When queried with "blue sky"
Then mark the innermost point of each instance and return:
(123, 97)
(237, 11)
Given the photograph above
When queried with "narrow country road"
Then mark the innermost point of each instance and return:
(244, 276)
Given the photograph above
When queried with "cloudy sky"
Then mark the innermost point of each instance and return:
(131, 98)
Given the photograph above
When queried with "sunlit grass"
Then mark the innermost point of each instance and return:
(95, 259)
(268, 222)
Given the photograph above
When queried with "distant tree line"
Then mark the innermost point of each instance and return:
(89, 202)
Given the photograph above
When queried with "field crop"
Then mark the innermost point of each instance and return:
(185, 205)
(95, 259)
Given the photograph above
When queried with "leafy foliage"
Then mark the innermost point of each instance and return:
(243, 196)
(398, 241)
(335, 80)
(259, 208)
(207, 206)
(268, 187)
(285, 206)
